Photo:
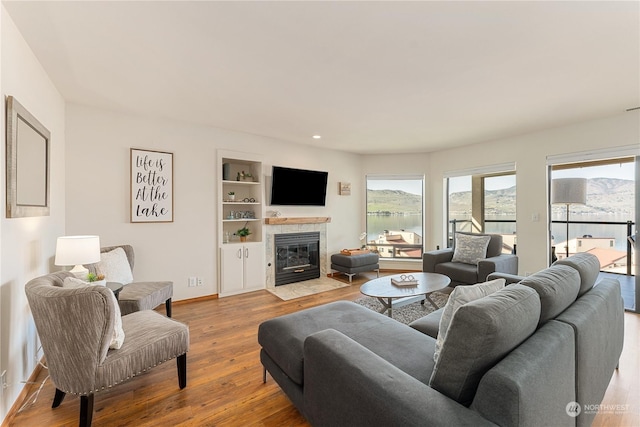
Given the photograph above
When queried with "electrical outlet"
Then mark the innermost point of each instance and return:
(192, 281)
(199, 281)
(3, 380)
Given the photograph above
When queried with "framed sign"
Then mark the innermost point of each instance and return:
(151, 186)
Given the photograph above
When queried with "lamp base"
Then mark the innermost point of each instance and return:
(79, 271)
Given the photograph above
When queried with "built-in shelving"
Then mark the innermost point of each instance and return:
(241, 263)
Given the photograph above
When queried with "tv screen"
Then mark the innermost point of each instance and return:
(298, 187)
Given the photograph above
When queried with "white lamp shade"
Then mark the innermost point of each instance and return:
(569, 191)
(76, 250)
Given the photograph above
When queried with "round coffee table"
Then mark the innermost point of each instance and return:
(391, 295)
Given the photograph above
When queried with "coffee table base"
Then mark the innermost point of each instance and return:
(389, 303)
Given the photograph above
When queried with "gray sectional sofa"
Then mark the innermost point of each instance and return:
(521, 356)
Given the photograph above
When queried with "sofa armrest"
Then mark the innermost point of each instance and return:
(509, 278)
(505, 263)
(347, 384)
(432, 258)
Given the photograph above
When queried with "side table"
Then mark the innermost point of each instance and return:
(115, 287)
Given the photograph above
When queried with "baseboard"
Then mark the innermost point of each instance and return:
(23, 394)
(196, 299)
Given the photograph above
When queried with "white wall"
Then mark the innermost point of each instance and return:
(27, 244)
(529, 152)
(97, 180)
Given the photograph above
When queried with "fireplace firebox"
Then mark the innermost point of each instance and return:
(297, 257)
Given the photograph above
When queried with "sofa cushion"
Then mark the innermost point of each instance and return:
(557, 287)
(588, 266)
(115, 266)
(481, 333)
(282, 338)
(459, 297)
(428, 324)
(469, 248)
(458, 272)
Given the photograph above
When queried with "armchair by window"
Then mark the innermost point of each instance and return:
(466, 263)
(76, 327)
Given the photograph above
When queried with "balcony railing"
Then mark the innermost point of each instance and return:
(584, 231)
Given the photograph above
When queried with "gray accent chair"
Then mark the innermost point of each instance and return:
(138, 296)
(440, 261)
(76, 325)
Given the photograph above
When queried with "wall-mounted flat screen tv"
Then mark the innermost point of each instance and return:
(298, 187)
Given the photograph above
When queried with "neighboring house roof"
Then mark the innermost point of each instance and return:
(608, 257)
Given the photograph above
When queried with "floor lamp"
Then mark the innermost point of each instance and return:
(569, 191)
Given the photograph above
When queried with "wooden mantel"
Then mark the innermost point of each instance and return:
(297, 220)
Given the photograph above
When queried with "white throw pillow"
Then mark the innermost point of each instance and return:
(115, 266)
(118, 332)
(469, 249)
(460, 296)
(74, 283)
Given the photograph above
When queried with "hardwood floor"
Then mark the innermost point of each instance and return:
(225, 386)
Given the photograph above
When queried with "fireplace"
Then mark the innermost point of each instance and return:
(297, 257)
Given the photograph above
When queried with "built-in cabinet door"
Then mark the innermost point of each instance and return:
(232, 268)
(254, 270)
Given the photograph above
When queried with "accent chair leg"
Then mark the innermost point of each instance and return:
(167, 305)
(182, 370)
(58, 398)
(264, 375)
(86, 410)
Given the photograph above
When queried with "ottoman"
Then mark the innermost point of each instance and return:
(353, 264)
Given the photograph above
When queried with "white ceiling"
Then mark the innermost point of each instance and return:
(370, 77)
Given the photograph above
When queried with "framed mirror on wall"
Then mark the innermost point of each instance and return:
(28, 153)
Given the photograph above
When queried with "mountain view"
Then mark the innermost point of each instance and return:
(393, 202)
(605, 196)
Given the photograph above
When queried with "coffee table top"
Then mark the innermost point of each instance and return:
(383, 288)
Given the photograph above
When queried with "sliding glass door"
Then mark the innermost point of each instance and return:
(598, 215)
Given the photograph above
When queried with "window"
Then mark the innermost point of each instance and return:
(600, 226)
(395, 216)
(483, 201)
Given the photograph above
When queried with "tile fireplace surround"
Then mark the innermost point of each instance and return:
(282, 225)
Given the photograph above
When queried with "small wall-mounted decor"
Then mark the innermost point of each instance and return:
(344, 188)
(27, 163)
(151, 186)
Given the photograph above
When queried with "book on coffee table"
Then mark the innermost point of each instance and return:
(404, 282)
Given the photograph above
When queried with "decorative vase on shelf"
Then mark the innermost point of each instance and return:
(232, 197)
(243, 238)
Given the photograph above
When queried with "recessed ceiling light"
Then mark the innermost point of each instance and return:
(316, 137)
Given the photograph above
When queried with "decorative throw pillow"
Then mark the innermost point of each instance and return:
(118, 332)
(469, 249)
(115, 266)
(459, 297)
(74, 283)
